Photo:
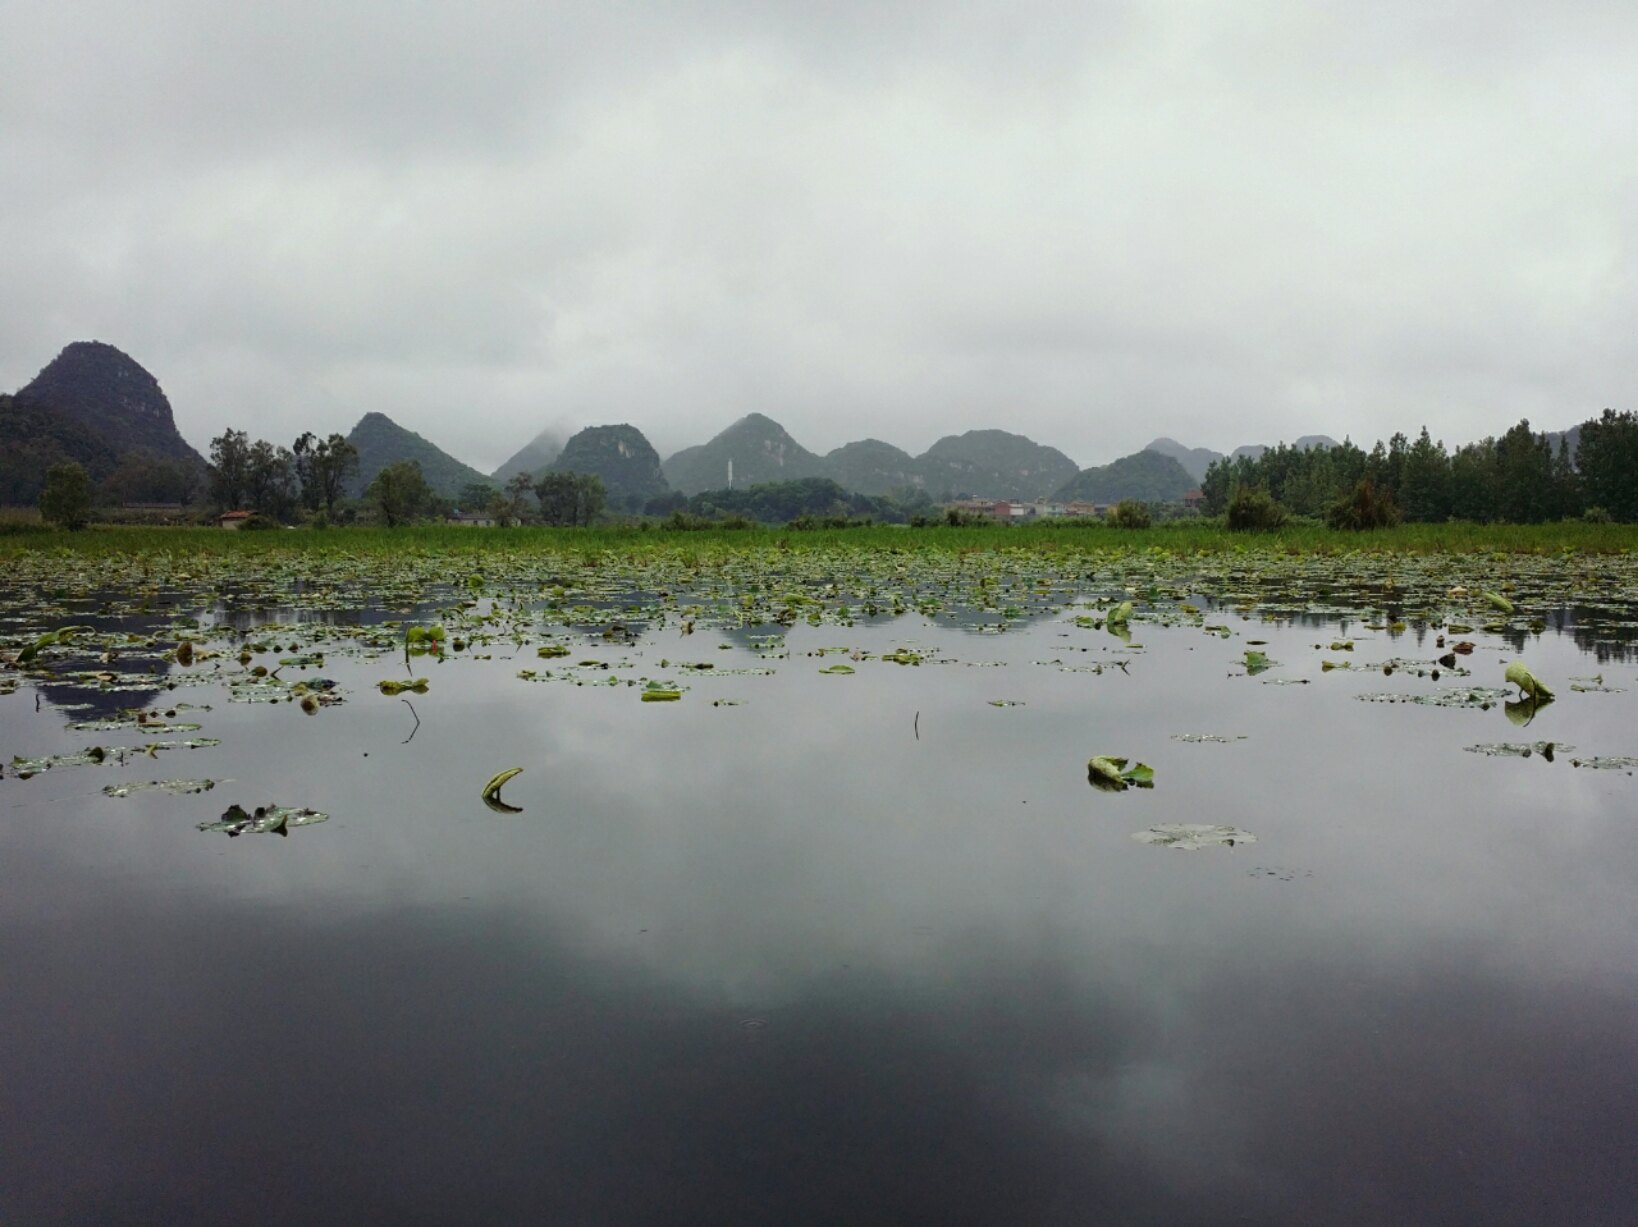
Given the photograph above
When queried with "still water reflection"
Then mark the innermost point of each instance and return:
(849, 949)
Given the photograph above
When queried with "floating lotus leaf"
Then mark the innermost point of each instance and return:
(1113, 775)
(175, 787)
(418, 685)
(1190, 836)
(264, 820)
(1512, 749)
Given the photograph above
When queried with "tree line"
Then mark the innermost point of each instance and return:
(1519, 478)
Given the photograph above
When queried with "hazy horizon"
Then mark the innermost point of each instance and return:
(1090, 224)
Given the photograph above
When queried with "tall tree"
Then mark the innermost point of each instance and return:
(1608, 462)
(229, 468)
(304, 458)
(335, 462)
(1424, 495)
(1524, 476)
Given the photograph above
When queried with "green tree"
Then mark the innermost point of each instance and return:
(1524, 476)
(475, 496)
(270, 479)
(1254, 510)
(66, 498)
(1365, 508)
(400, 493)
(568, 499)
(1424, 494)
(1473, 482)
(1130, 513)
(1607, 459)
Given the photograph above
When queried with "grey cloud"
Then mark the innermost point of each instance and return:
(1091, 224)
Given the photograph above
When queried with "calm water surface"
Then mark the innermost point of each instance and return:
(856, 949)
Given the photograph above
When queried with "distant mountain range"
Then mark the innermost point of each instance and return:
(98, 406)
(992, 463)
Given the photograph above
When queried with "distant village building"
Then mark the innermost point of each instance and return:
(1194, 500)
(234, 519)
(472, 519)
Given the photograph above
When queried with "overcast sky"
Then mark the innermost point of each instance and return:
(1088, 222)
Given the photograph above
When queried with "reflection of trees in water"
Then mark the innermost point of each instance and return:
(83, 699)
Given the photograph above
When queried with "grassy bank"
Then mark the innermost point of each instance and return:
(1457, 538)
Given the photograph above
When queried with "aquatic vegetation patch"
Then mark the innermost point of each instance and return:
(1190, 836)
(263, 820)
(96, 756)
(1515, 749)
(174, 787)
(1482, 698)
(1607, 763)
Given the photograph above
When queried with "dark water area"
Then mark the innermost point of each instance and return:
(846, 948)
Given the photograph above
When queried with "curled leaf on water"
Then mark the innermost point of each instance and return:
(491, 792)
(1529, 685)
(1498, 601)
(659, 694)
(838, 669)
(1522, 711)
(1111, 774)
(417, 684)
(1119, 615)
(50, 639)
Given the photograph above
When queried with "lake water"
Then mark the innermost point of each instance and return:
(814, 947)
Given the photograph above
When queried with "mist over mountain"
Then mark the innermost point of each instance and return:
(1196, 460)
(623, 457)
(534, 457)
(1253, 451)
(111, 395)
(381, 441)
(760, 449)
